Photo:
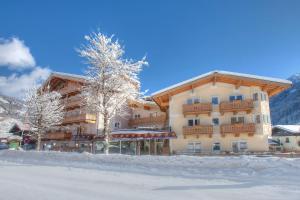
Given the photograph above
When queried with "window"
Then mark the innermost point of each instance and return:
(255, 96)
(196, 100)
(137, 116)
(189, 101)
(239, 146)
(190, 122)
(243, 146)
(194, 147)
(287, 140)
(257, 119)
(193, 122)
(117, 125)
(215, 100)
(237, 120)
(266, 119)
(241, 120)
(193, 100)
(235, 97)
(239, 97)
(215, 121)
(231, 98)
(217, 146)
(263, 96)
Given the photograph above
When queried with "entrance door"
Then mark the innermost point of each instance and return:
(235, 147)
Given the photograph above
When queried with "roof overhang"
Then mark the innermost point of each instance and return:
(272, 86)
(56, 77)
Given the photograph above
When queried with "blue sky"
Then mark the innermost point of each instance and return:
(181, 39)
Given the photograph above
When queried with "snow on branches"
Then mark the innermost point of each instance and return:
(111, 79)
(44, 110)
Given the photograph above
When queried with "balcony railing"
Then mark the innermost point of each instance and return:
(58, 136)
(198, 130)
(148, 121)
(69, 103)
(196, 109)
(70, 89)
(80, 118)
(236, 106)
(237, 129)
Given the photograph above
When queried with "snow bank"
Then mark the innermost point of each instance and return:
(186, 166)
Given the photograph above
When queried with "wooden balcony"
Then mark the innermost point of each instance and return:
(196, 109)
(237, 129)
(198, 130)
(236, 106)
(89, 118)
(70, 103)
(57, 136)
(69, 89)
(159, 120)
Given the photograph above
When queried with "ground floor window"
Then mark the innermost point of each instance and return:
(194, 147)
(216, 147)
(239, 146)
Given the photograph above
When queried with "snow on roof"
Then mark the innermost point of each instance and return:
(7, 123)
(68, 75)
(277, 80)
(290, 128)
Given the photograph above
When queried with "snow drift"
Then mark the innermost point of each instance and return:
(185, 166)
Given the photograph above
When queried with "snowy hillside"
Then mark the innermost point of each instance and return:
(285, 107)
(60, 176)
(10, 107)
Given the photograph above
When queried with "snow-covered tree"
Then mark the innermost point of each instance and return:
(111, 79)
(44, 110)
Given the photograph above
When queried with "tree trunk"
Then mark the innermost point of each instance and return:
(38, 148)
(106, 134)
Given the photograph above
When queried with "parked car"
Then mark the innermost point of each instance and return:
(3, 146)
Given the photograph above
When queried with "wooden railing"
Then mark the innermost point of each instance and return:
(69, 89)
(73, 102)
(195, 109)
(198, 130)
(80, 118)
(148, 120)
(237, 129)
(58, 136)
(236, 106)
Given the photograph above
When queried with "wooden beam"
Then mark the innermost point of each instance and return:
(214, 80)
(238, 84)
(275, 91)
(264, 88)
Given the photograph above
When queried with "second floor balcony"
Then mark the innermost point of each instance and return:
(236, 106)
(89, 118)
(198, 130)
(146, 121)
(196, 109)
(238, 128)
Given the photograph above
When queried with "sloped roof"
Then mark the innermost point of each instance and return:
(289, 128)
(7, 123)
(263, 78)
(67, 76)
(271, 85)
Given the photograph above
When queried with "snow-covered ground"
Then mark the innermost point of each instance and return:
(51, 175)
